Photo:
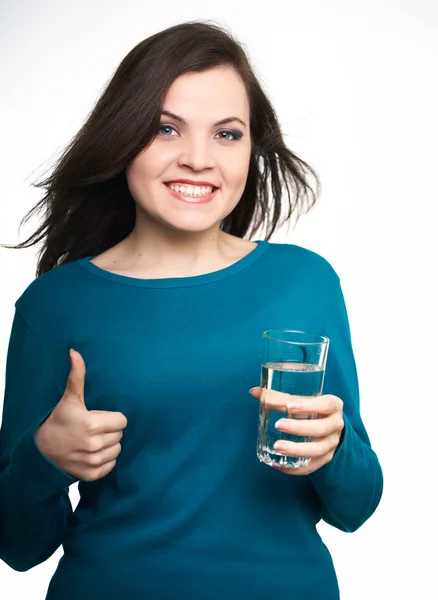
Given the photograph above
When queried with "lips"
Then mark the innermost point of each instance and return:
(169, 183)
(189, 182)
(192, 199)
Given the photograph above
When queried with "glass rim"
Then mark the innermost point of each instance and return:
(323, 339)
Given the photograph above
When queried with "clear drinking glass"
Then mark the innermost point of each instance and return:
(293, 363)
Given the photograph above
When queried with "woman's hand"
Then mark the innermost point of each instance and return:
(326, 430)
(83, 443)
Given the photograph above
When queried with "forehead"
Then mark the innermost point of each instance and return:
(217, 92)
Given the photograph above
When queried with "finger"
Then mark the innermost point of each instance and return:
(105, 421)
(283, 402)
(326, 404)
(274, 399)
(97, 459)
(280, 401)
(314, 449)
(99, 472)
(313, 465)
(255, 392)
(96, 443)
(316, 428)
(76, 379)
(111, 439)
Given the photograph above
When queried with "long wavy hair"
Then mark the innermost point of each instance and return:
(87, 205)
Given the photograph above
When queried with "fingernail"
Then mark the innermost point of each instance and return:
(279, 446)
(251, 389)
(280, 423)
(71, 351)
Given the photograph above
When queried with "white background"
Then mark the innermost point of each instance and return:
(355, 88)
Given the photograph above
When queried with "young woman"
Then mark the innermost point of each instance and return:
(148, 274)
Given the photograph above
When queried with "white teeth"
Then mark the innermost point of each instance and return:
(191, 190)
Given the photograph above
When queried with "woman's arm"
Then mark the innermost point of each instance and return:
(35, 507)
(350, 486)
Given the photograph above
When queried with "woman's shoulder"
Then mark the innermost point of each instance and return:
(49, 290)
(304, 259)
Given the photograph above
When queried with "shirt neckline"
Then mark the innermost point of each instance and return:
(176, 282)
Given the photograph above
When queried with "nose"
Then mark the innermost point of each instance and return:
(197, 155)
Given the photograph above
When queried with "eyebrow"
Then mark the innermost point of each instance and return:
(221, 122)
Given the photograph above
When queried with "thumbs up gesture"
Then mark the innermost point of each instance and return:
(83, 443)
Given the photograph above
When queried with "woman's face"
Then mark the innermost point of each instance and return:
(194, 147)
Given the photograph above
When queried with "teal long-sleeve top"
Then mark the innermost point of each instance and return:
(188, 511)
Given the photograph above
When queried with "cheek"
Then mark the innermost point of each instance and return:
(236, 170)
(138, 178)
(148, 165)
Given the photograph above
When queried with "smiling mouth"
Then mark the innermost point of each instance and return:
(192, 199)
(191, 185)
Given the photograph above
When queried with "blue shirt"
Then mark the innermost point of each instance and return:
(188, 511)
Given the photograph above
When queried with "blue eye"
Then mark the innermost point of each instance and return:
(234, 133)
(165, 127)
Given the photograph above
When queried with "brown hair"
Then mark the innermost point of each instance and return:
(88, 207)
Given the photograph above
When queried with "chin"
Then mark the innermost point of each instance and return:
(193, 225)
(189, 229)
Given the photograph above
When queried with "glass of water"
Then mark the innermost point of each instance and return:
(293, 362)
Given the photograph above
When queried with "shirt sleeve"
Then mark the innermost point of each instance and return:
(350, 486)
(35, 507)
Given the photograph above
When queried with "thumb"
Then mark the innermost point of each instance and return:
(76, 379)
